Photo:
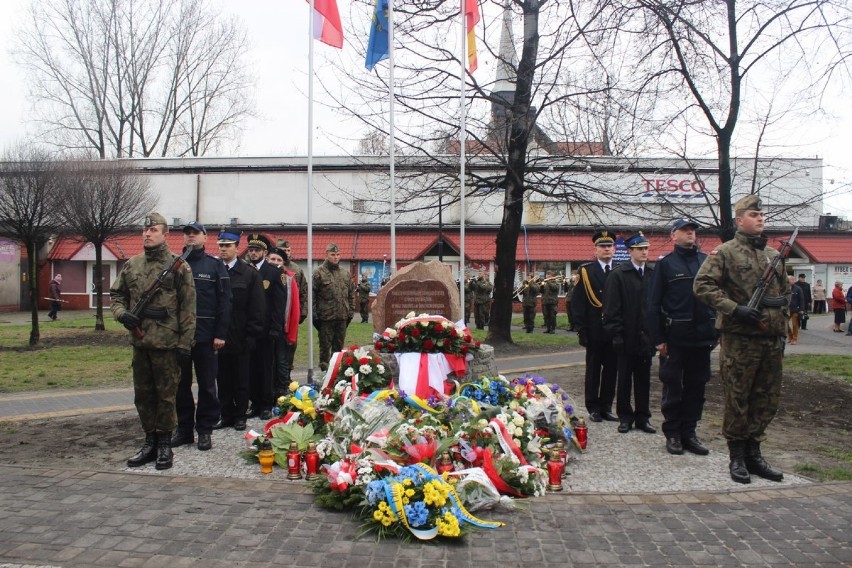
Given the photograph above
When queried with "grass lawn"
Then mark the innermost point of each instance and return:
(835, 366)
(72, 354)
(820, 473)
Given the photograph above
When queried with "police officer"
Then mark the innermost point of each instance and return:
(752, 339)
(587, 308)
(684, 332)
(334, 304)
(248, 322)
(481, 288)
(625, 321)
(263, 358)
(530, 302)
(167, 328)
(213, 316)
(364, 296)
(549, 300)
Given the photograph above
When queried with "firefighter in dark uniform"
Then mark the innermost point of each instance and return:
(248, 321)
(625, 320)
(684, 331)
(587, 308)
(213, 314)
(168, 324)
(263, 357)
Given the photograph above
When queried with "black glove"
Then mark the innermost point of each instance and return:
(747, 315)
(583, 340)
(129, 320)
(184, 357)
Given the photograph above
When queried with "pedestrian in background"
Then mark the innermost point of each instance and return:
(212, 318)
(684, 332)
(797, 307)
(167, 330)
(838, 305)
(819, 298)
(364, 289)
(334, 304)
(752, 339)
(55, 293)
(625, 320)
(806, 291)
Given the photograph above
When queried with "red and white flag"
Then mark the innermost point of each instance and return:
(327, 27)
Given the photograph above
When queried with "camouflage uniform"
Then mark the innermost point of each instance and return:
(569, 291)
(549, 300)
(364, 289)
(530, 304)
(334, 306)
(468, 299)
(482, 301)
(156, 373)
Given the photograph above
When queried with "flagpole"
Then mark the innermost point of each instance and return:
(392, 146)
(462, 152)
(310, 260)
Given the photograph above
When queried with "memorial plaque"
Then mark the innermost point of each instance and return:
(422, 288)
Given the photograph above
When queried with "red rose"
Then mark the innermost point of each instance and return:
(400, 337)
(454, 333)
(447, 342)
(377, 345)
(364, 360)
(349, 361)
(353, 348)
(428, 344)
(415, 332)
(391, 346)
(464, 348)
(477, 343)
(439, 328)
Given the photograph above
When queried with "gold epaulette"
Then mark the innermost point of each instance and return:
(590, 291)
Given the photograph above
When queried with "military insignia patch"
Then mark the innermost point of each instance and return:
(265, 284)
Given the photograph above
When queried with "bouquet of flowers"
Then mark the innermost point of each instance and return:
(426, 334)
(417, 502)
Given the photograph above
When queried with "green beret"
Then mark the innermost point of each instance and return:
(748, 203)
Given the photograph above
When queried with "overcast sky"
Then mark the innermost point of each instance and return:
(277, 31)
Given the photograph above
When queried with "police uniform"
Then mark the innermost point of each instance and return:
(751, 351)
(263, 358)
(530, 303)
(549, 301)
(587, 308)
(687, 327)
(334, 306)
(482, 288)
(168, 325)
(625, 321)
(364, 289)
(248, 322)
(213, 316)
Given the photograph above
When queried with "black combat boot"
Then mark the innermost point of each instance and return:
(147, 454)
(757, 465)
(164, 450)
(737, 450)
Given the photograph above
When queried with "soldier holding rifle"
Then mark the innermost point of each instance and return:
(747, 285)
(154, 297)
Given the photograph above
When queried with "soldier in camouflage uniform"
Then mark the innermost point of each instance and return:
(168, 324)
(468, 297)
(549, 301)
(752, 339)
(530, 303)
(481, 288)
(364, 296)
(333, 303)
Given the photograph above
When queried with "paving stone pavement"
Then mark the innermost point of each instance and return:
(53, 517)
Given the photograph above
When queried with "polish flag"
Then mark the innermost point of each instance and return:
(327, 27)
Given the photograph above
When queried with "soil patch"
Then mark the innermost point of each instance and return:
(812, 422)
(74, 338)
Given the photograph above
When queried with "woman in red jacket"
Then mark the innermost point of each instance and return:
(838, 304)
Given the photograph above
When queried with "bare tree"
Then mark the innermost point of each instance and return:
(101, 200)
(28, 198)
(129, 78)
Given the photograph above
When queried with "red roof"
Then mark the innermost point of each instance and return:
(825, 248)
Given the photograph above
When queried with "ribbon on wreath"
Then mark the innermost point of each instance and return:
(423, 374)
(491, 472)
(506, 441)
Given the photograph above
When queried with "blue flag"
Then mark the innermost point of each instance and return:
(377, 48)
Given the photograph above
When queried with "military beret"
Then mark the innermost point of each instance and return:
(229, 235)
(332, 247)
(603, 237)
(748, 203)
(276, 250)
(256, 240)
(195, 225)
(681, 223)
(637, 241)
(154, 218)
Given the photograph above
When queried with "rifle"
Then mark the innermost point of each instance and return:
(148, 294)
(759, 293)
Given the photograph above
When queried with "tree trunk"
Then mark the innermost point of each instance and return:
(726, 221)
(99, 287)
(35, 335)
(500, 324)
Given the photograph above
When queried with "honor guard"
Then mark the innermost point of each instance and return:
(529, 303)
(364, 288)
(334, 304)
(549, 300)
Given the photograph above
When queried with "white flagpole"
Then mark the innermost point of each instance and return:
(462, 151)
(310, 260)
(392, 146)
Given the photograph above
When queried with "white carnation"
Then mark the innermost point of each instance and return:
(365, 369)
(349, 372)
(381, 369)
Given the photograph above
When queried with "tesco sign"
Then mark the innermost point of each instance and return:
(673, 187)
